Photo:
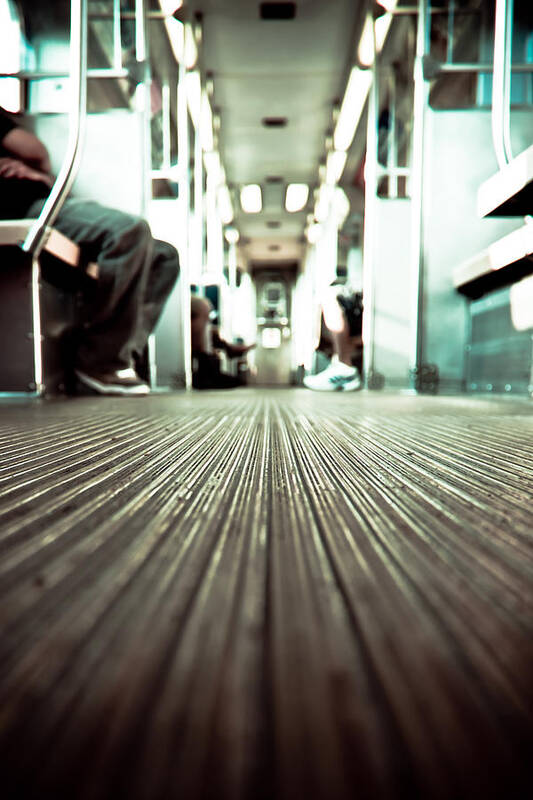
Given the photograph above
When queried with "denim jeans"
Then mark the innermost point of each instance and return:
(136, 275)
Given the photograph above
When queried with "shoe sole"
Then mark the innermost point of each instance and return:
(112, 389)
(353, 386)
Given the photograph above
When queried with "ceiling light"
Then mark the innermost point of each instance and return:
(379, 29)
(251, 200)
(170, 7)
(206, 123)
(225, 206)
(335, 166)
(176, 37)
(388, 5)
(193, 90)
(341, 206)
(323, 203)
(314, 232)
(213, 167)
(296, 197)
(352, 107)
(190, 49)
(365, 53)
(381, 26)
(232, 235)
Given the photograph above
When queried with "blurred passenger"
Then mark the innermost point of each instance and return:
(342, 312)
(205, 341)
(136, 272)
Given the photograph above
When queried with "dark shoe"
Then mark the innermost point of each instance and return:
(123, 382)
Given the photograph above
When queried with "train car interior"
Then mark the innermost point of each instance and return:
(266, 521)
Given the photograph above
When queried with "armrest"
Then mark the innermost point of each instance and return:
(14, 231)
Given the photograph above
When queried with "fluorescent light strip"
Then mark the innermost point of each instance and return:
(193, 90)
(380, 29)
(296, 197)
(251, 199)
(225, 206)
(176, 36)
(335, 166)
(352, 108)
(206, 123)
(170, 6)
(231, 235)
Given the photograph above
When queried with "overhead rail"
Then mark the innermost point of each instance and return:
(36, 237)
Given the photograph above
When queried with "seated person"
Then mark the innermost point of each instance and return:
(136, 272)
(342, 312)
(205, 338)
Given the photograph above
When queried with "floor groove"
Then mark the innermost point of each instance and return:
(266, 594)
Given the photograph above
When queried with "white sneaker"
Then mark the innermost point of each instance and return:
(338, 377)
(122, 382)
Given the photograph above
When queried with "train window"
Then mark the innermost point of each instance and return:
(271, 338)
(12, 48)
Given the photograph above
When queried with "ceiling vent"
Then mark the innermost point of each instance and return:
(274, 248)
(277, 10)
(274, 122)
(273, 223)
(274, 179)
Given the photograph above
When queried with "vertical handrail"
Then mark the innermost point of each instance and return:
(501, 82)
(420, 102)
(143, 98)
(36, 237)
(117, 35)
(371, 186)
(184, 210)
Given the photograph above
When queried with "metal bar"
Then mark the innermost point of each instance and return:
(128, 15)
(78, 76)
(522, 68)
(396, 171)
(371, 200)
(143, 101)
(451, 21)
(421, 96)
(413, 10)
(41, 76)
(184, 222)
(166, 122)
(501, 83)
(117, 36)
(392, 151)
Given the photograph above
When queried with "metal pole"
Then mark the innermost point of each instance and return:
(166, 122)
(421, 96)
(143, 93)
(36, 237)
(371, 201)
(501, 82)
(117, 36)
(183, 222)
(451, 21)
(392, 150)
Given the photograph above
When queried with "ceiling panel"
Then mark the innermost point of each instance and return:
(294, 69)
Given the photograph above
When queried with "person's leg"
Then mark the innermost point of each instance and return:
(200, 311)
(162, 276)
(123, 247)
(336, 323)
(340, 375)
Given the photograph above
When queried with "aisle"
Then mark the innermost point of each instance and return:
(266, 594)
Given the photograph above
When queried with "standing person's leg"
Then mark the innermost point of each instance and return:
(340, 375)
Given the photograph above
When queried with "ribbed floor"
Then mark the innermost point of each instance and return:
(273, 595)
